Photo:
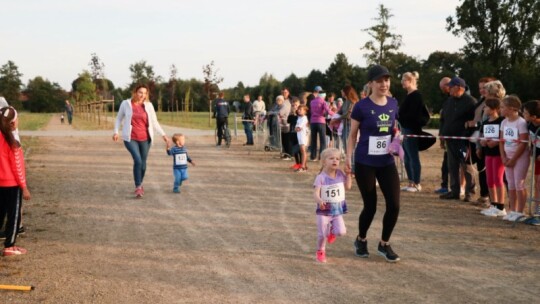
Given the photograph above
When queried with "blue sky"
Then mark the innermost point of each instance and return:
(55, 38)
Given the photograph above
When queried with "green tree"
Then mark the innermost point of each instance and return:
(44, 96)
(84, 88)
(315, 78)
(385, 42)
(498, 32)
(97, 71)
(338, 74)
(141, 72)
(211, 84)
(10, 83)
(295, 84)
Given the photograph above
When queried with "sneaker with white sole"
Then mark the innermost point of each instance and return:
(14, 250)
(493, 211)
(415, 188)
(387, 252)
(511, 216)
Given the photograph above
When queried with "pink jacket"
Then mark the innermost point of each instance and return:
(12, 170)
(318, 109)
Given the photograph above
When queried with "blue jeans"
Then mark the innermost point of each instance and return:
(248, 128)
(319, 128)
(139, 152)
(412, 157)
(180, 175)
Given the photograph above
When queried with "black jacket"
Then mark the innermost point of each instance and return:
(410, 110)
(455, 112)
(248, 110)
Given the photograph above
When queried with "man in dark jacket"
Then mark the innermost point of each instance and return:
(456, 112)
(221, 114)
(247, 120)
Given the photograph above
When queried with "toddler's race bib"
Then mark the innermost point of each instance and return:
(333, 193)
(491, 131)
(378, 145)
(180, 159)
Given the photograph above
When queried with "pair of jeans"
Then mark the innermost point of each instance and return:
(317, 128)
(248, 129)
(139, 152)
(180, 175)
(412, 156)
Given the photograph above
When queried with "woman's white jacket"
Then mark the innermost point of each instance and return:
(124, 117)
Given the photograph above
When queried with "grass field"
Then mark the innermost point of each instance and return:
(192, 120)
(33, 121)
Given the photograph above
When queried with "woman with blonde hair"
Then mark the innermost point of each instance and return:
(409, 112)
(495, 89)
(139, 121)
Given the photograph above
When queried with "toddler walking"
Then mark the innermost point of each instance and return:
(329, 194)
(180, 160)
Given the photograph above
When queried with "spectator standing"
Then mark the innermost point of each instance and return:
(284, 112)
(318, 111)
(489, 148)
(12, 180)
(221, 114)
(409, 114)
(69, 111)
(514, 150)
(474, 125)
(259, 110)
(247, 120)
(456, 112)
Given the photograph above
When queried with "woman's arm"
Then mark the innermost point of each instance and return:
(119, 118)
(351, 144)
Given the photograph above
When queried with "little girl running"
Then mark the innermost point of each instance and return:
(329, 195)
(514, 155)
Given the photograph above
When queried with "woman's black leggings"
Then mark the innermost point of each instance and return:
(389, 183)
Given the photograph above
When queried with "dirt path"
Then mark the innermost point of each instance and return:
(243, 231)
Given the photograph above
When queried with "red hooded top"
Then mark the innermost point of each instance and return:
(12, 171)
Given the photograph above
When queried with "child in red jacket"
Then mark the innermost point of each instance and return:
(12, 179)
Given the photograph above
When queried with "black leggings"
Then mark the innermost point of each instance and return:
(389, 183)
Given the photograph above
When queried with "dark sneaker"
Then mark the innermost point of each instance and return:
(387, 252)
(449, 195)
(441, 190)
(21, 230)
(361, 248)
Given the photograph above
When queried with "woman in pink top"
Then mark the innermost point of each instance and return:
(139, 121)
(318, 109)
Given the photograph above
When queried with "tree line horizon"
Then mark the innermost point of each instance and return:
(502, 40)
